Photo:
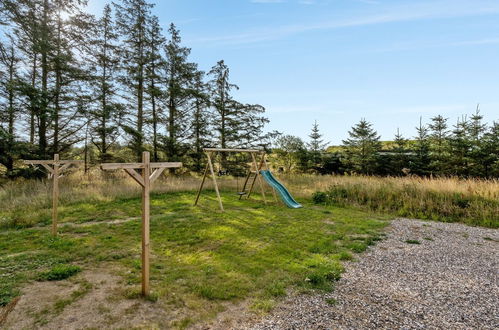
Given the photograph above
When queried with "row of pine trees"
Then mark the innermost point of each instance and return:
(468, 148)
(118, 84)
(111, 82)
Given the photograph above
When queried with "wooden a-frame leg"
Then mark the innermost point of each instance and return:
(202, 183)
(259, 178)
(215, 182)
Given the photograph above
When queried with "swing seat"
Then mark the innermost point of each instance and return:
(241, 193)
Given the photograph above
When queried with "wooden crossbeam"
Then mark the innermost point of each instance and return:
(145, 180)
(119, 166)
(55, 168)
(231, 150)
(51, 162)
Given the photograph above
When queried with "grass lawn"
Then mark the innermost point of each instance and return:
(201, 258)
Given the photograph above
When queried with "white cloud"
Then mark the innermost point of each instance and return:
(415, 46)
(402, 13)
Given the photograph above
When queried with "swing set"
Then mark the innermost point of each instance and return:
(252, 176)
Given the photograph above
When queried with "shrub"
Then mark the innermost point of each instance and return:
(319, 197)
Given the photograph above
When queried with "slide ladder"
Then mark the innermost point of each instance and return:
(279, 187)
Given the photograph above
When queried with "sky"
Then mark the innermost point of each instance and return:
(337, 61)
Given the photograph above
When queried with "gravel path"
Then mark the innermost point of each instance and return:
(448, 281)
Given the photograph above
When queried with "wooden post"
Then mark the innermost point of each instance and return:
(55, 194)
(55, 168)
(145, 180)
(145, 221)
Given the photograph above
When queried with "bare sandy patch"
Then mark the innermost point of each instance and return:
(92, 299)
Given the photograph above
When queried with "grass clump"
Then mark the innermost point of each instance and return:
(331, 301)
(412, 241)
(59, 272)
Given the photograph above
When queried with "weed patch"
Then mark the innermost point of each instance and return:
(59, 272)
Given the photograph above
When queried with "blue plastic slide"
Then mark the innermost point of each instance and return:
(283, 192)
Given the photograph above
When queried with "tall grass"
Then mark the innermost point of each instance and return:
(471, 201)
(447, 199)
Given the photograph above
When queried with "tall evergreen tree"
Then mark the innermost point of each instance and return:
(155, 62)
(133, 18)
(362, 148)
(180, 80)
(51, 92)
(9, 107)
(108, 111)
(200, 133)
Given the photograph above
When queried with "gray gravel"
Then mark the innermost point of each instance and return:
(448, 281)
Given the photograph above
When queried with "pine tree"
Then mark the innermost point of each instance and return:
(181, 78)
(421, 161)
(68, 87)
(133, 18)
(49, 43)
(476, 131)
(439, 145)
(200, 133)
(362, 148)
(154, 63)
(400, 158)
(108, 111)
(316, 147)
(459, 146)
(316, 143)
(490, 149)
(9, 107)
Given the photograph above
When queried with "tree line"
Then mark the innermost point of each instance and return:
(468, 148)
(117, 84)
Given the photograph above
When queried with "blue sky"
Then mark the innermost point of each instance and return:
(337, 61)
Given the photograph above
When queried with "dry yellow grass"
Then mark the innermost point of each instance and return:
(17, 197)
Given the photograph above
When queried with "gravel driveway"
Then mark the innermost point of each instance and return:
(447, 281)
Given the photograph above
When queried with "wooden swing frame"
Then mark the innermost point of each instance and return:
(55, 169)
(251, 177)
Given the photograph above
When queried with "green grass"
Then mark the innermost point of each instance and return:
(59, 272)
(201, 257)
(412, 241)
